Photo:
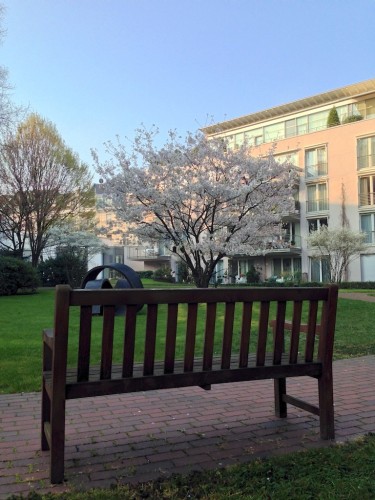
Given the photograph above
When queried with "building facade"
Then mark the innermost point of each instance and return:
(337, 178)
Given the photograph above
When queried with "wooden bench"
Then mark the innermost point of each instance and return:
(234, 344)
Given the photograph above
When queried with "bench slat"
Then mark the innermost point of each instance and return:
(311, 330)
(170, 339)
(278, 340)
(227, 335)
(107, 341)
(209, 336)
(296, 324)
(247, 311)
(191, 328)
(149, 358)
(84, 343)
(129, 340)
(262, 333)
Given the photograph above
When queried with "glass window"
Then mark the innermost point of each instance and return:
(277, 267)
(316, 162)
(318, 121)
(317, 198)
(366, 152)
(302, 125)
(254, 137)
(319, 269)
(366, 227)
(290, 128)
(274, 132)
(364, 191)
(239, 140)
(370, 108)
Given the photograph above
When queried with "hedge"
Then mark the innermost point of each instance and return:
(17, 274)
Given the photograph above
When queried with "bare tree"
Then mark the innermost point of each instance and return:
(338, 247)
(9, 112)
(42, 183)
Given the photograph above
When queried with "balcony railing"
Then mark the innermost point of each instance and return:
(366, 199)
(144, 253)
(284, 242)
(317, 205)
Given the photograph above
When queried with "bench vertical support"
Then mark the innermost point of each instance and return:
(325, 354)
(280, 391)
(46, 406)
(327, 422)
(53, 401)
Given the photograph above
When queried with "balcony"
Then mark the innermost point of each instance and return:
(320, 205)
(284, 244)
(148, 253)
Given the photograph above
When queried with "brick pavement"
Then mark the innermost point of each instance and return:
(144, 436)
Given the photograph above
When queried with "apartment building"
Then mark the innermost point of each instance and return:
(337, 177)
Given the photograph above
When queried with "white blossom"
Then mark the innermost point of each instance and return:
(204, 200)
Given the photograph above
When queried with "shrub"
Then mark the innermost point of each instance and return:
(145, 274)
(352, 118)
(65, 268)
(16, 274)
(252, 275)
(163, 274)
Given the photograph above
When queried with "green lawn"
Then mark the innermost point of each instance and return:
(24, 316)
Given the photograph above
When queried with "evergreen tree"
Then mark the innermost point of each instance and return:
(333, 118)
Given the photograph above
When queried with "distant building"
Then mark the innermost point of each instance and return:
(337, 177)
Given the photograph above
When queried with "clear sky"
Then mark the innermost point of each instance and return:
(100, 68)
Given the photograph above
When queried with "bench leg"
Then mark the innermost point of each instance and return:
(327, 422)
(280, 390)
(57, 440)
(46, 412)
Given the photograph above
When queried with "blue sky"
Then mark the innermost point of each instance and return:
(98, 68)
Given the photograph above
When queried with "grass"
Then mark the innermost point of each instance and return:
(24, 316)
(338, 472)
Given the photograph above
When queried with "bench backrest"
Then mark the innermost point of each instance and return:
(237, 316)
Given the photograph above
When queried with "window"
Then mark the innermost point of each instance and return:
(290, 128)
(318, 121)
(302, 125)
(274, 132)
(316, 162)
(239, 139)
(287, 266)
(317, 198)
(368, 227)
(315, 224)
(367, 190)
(319, 269)
(254, 137)
(366, 153)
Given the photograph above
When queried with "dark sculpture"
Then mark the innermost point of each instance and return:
(130, 280)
